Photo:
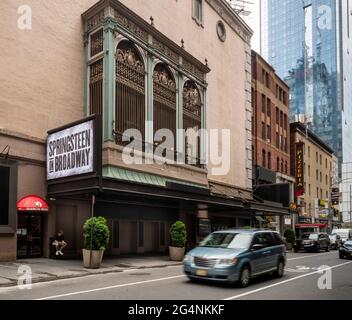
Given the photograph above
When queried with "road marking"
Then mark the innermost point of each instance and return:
(285, 281)
(311, 256)
(109, 288)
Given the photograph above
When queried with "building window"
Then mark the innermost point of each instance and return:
(326, 163)
(308, 171)
(321, 177)
(285, 122)
(268, 132)
(316, 157)
(321, 160)
(281, 119)
(277, 116)
(263, 103)
(164, 96)
(192, 119)
(269, 161)
(286, 144)
(264, 158)
(130, 90)
(282, 166)
(308, 151)
(286, 167)
(317, 175)
(277, 140)
(263, 131)
(198, 11)
(268, 107)
(278, 164)
(309, 186)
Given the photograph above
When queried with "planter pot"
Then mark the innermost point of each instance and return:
(176, 254)
(92, 259)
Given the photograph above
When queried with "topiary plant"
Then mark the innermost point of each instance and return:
(178, 234)
(96, 234)
(289, 235)
(246, 228)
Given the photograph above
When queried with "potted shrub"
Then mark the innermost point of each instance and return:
(290, 237)
(178, 235)
(96, 237)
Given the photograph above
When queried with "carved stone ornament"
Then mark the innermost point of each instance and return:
(191, 98)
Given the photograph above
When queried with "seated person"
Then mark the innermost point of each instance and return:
(59, 243)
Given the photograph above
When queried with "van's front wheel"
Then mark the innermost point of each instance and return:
(245, 277)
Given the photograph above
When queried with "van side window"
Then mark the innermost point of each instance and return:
(277, 239)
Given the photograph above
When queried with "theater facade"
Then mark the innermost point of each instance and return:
(145, 70)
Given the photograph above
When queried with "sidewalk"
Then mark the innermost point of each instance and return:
(48, 270)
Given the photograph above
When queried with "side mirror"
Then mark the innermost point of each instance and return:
(257, 247)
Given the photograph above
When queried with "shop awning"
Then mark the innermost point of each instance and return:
(32, 203)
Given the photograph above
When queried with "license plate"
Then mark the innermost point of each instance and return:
(201, 273)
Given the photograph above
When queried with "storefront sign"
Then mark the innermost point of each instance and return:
(299, 169)
(70, 151)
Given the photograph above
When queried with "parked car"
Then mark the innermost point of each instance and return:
(335, 241)
(312, 242)
(345, 250)
(236, 256)
(345, 234)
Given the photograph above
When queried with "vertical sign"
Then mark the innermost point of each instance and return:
(299, 169)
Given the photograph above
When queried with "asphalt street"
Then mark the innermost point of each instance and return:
(302, 276)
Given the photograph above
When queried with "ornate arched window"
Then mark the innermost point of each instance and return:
(130, 90)
(164, 97)
(192, 118)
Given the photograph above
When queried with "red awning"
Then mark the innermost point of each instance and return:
(32, 203)
(309, 225)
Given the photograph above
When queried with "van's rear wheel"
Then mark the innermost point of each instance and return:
(245, 277)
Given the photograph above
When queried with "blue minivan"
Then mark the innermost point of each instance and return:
(236, 256)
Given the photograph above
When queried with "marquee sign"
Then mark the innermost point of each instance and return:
(299, 169)
(71, 150)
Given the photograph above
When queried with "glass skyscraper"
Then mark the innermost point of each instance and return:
(308, 42)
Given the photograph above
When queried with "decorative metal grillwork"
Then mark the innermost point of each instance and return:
(130, 91)
(164, 86)
(96, 43)
(164, 90)
(192, 119)
(96, 87)
(130, 69)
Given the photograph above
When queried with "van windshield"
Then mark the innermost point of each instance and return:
(227, 241)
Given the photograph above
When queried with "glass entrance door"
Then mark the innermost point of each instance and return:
(29, 235)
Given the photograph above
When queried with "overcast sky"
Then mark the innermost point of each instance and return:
(253, 22)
